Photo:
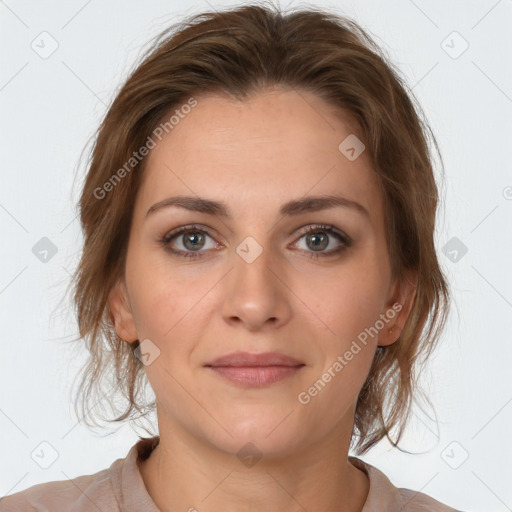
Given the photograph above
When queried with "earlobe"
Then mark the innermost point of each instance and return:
(121, 313)
(399, 307)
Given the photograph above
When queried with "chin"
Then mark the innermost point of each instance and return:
(266, 434)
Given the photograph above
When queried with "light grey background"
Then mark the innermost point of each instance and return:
(50, 107)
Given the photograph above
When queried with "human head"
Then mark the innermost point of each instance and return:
(237, 53)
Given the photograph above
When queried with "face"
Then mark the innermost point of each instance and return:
(309, 281)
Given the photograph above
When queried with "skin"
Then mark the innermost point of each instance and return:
(254, 156)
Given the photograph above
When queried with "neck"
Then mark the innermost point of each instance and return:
(186, 473)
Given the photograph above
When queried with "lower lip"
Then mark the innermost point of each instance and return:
(256, 376)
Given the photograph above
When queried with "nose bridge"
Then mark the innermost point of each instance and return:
(255, 292)
(252, 261)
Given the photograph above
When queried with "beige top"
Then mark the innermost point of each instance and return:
(120, 488)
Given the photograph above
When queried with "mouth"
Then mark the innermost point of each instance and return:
(255, 370)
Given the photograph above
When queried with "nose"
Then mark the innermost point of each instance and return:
(255, 293)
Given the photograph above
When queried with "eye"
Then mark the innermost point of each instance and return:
(193, 238)
(317, 237)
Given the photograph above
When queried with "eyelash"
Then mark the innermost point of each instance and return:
(326, 228)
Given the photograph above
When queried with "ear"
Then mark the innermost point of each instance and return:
(121, 312)
(400, 302)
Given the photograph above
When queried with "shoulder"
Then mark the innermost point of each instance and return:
(81, 494)
(385, 497)
(109, 489)
(415, 501)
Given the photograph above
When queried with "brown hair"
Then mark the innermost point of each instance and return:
(239, 52)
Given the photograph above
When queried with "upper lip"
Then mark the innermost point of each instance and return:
(247, 359)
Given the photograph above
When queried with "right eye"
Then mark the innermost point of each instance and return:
(192, 239)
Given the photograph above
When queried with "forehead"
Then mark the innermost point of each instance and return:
(275, 146)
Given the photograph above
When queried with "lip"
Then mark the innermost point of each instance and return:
(255, 370)
(246, 359)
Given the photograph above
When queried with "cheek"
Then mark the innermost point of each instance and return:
(172, 309)
(159, 296)
(167, 315)
(347, 301)
(332, 394)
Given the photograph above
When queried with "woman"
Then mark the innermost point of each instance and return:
(258, 214)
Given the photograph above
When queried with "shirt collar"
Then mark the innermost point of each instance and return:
(383, 496)
(132, 495)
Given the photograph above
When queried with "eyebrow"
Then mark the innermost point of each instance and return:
(289, 209)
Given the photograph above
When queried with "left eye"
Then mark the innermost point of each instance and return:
(317, 239)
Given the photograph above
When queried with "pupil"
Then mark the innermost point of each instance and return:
(317, 240)
(193, 238)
